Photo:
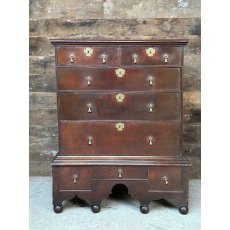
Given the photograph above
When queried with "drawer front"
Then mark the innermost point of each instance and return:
(165, 178)
(75, 178)
(116, 106)
(148, 78)
(119, 138)
(159, 55)
(120, 172)
(87, 56)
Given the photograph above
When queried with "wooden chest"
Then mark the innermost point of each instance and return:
(120, 121)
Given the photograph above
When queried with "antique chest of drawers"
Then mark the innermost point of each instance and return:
(120, 122)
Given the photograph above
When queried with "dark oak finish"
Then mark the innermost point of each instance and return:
(171, 183)
(174, 55)
(75, 178)
(132, 140)
(64, 55)
(120, 172)
(120, 122)
(134, 79)
(135, 106)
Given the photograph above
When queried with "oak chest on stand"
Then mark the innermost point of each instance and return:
(120, 122)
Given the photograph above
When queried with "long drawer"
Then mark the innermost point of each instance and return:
(119, 106)
(118, 138)
(132, 79)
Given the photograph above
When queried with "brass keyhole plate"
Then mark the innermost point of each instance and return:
(150, 51)
(120, 72)
(88, 51)
(120, 97)
(120, 126)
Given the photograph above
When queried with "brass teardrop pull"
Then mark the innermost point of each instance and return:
(165, 57)
(71, 59)
(165, 179)
(75, 178)
(104, 58)
(151, 140)
(90, 140)
(135, 58)
(89, 108)
(120, 171)
(88, 82)
(151, 108)
(151, 80)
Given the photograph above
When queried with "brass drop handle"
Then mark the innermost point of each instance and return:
(89, 108)
(88, 82)
(165, 179)
(150, 82)
(150, 141)
(151, 108)
(135, 58)
(104, 57)
(165, 58)
(71, 59)
(90, 140)
(120, 171)
(75, 178)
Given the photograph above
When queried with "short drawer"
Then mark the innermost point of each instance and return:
(165, 178)
(132, 79)
(120, 172)
(156, 55)
(87, 56)
(75, 178)
(119, 105)
(119, 138)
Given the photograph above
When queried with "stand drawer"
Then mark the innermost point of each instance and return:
(165, 178)
(75, 178)
(120, 172)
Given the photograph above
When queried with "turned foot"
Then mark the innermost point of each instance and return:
(183, 210)
(144, 209)
(58, 208)
(95, 208)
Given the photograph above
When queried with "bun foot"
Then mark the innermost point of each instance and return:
(58, 208)
(144, 209)
(95, 208)
(183, 210)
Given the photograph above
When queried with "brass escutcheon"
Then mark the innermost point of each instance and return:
(150, 51)
(88, 51)
(120, 126)
(120, 72)
(120, 97)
